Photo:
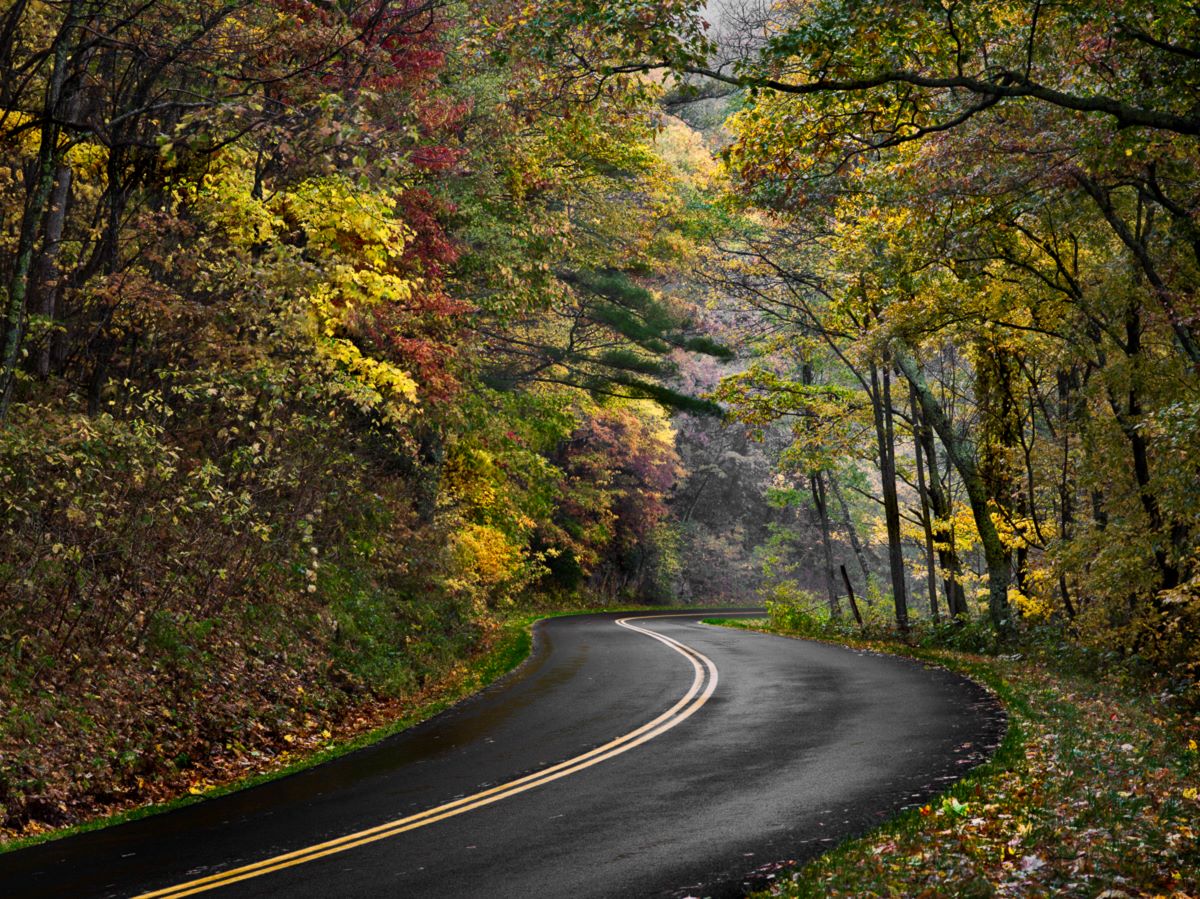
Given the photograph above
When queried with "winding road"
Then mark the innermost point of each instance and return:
(631, 755)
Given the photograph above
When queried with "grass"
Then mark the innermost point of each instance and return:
(1093, 792)
(508, 648)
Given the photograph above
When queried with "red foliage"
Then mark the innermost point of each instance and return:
(617, 449)
(396, 50)
(426, 360)
(441, 116)
(436, 159)
(433, 248)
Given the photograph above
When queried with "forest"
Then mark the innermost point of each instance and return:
(340, 334)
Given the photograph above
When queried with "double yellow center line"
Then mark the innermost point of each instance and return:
(703, 685)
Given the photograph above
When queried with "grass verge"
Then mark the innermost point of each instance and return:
(1094, 791)
(508, 646)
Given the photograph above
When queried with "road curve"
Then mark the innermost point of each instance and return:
(630, 756)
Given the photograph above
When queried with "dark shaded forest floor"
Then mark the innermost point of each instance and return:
(1094, 792)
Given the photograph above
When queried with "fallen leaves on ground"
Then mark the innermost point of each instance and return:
(1101, 800)
(60, 794)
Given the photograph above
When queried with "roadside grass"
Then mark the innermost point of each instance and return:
(1093, 792)
(503, 650)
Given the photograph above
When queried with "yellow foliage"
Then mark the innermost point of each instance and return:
(469, 478)
(342, 220)
(489, 565)
(1033, 608)
(489, 553)
(373, 384)
(960, 524)
(225, 198)
(353, 242)
(27, 142)
(1012, 530)
(87, 159)
(659, 429)
(683, 148)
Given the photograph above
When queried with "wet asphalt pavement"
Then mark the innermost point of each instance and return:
(800, 745)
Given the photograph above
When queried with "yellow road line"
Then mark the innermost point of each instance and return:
(703, 685)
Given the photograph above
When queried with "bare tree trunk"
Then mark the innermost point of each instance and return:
(817, 484)
(36, 201)
(1066, 514)
(926, 512)
(850, 595)
(952, 585)
(885, 437)
(48, 279)
(962, 455)
(859, 552)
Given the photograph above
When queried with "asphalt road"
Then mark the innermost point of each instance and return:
(613, 763)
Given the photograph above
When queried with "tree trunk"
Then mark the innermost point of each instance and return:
(850, 596)
(1129, 420)
(48, 280)
(926, 512)
(962, 456)
(37, 199)
(817, 484)
(851, 531)
(885, 437)
(956, 600)
(1066, 515)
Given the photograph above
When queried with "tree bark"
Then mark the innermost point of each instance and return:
(1129, 418)
(817, 485)
(48, 279)
(37, 199)
(1066, 516)
(885, 437)
(956, 600)
(961, 452)
(850, 596)
(926, 511)
(851, 531)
